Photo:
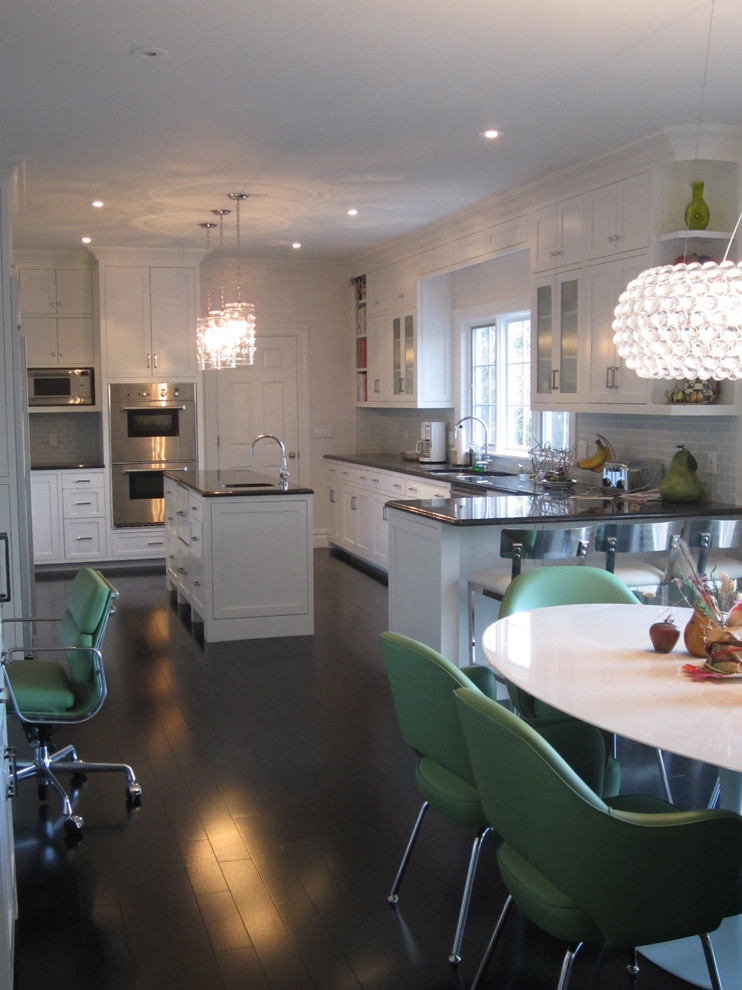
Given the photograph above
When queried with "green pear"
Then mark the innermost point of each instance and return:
(681, 483)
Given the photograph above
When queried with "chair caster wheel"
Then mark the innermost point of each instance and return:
(392, 899)
(134, 794)
(454, 960)
(78, 779)
(73, 825)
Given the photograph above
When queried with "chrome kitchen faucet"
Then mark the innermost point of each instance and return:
(283, 474)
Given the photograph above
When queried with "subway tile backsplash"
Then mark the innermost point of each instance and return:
(656, 438)
(59, 439)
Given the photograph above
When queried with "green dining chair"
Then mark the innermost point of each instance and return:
(620, 873)
(64, 684)
(422, 683)
(564, 585)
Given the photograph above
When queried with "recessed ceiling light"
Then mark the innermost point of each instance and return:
(491, 134)
(149, 52)
(296, 245)
(87, 240)
(97, 203)
(352, 213)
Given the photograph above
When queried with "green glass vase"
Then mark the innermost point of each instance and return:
(697, 211)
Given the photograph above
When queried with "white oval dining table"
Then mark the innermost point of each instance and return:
(596, 662)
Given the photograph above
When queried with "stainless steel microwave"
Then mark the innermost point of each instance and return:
(61, 387)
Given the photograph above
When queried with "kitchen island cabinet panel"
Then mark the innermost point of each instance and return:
(259, 559)
(240, 561)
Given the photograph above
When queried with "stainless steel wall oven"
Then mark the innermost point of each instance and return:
(153, 430)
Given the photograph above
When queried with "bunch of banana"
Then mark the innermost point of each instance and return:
(603, 453)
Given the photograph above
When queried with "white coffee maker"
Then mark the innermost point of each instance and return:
(432, 447)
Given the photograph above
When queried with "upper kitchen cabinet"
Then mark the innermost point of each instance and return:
(408, 343)
(148, 321)
(603, 376)
(619, 217)
(558, 235)
(556, 334)
(56, 309)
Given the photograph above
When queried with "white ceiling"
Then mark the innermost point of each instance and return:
(313, 108)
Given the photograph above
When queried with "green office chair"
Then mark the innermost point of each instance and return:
(632, 871)
(61, 685)
(422, 684)
(569, 586)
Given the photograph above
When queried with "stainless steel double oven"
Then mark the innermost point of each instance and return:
(153, 430)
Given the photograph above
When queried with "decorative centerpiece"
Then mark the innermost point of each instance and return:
(552, 465)
(712, 632)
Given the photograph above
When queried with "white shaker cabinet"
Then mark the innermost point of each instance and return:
(558, 234)
(619, 217)
(357, 517)
(47, 542)
(68, 516)
(604, 377)
(149, 322)
(56, 310)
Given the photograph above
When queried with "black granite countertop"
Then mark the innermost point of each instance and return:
(235, 484)
(78, 466)
(500, 510)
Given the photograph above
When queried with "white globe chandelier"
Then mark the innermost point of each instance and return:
(682, 321)
(225, 338)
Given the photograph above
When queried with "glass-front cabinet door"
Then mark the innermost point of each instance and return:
(403, 355)
(556, 327)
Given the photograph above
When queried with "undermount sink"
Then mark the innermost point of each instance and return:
(472, 477)
(247, 484)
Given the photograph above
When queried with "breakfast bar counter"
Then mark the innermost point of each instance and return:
(435, 544)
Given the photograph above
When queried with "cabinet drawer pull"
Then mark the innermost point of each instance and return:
(84, 503)
(83, 539)
(83, 481)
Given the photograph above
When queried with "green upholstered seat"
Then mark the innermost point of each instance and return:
(62, 684)
(622, 873)
(422, 684)
(563, 585)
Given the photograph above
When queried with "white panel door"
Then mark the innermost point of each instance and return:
(263, 398)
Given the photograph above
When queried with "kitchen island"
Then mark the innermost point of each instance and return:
(435, 544)
(239, 554)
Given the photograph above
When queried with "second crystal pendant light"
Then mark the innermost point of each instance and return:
(226, 337)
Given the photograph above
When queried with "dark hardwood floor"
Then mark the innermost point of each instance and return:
(277, 797)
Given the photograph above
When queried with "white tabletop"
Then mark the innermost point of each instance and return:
(596, 662)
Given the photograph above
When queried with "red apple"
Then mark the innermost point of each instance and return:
(664, 635)
(734, 618)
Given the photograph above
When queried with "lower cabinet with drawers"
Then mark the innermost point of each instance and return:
(356, 518)
(68, 516)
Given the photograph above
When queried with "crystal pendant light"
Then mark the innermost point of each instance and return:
(226, 337)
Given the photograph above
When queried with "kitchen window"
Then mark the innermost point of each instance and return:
(500, 384)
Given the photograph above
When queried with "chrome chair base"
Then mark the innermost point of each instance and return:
(454, 956)
(46, 764)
